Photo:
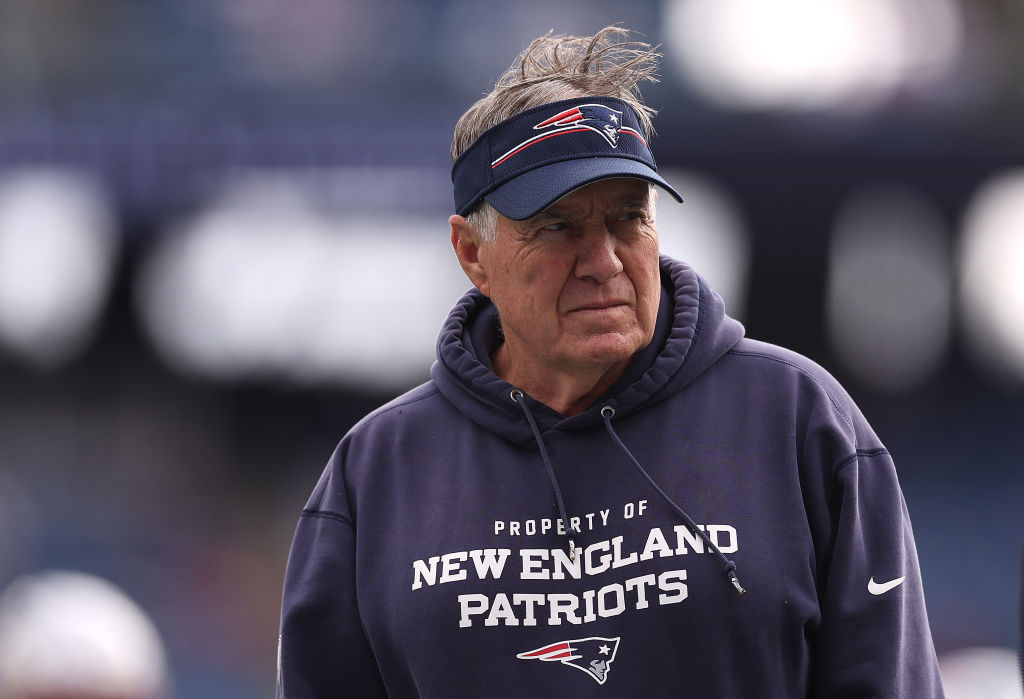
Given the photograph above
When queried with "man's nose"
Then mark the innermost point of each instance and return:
(598, 257)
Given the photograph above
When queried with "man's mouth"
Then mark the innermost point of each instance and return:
(604, 306)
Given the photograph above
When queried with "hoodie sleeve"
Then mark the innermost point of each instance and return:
(874, 639)
(323, 649)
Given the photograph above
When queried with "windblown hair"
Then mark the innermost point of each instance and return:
(554, 68)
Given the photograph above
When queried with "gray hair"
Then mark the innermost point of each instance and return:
(554, 68)
(484, 218)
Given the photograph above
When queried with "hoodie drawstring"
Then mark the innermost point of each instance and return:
(607, 412)
(519, 398)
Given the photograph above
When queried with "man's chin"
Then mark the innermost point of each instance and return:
(608, 349)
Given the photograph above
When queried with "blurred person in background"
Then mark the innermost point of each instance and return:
(568, 506)
(69, 635)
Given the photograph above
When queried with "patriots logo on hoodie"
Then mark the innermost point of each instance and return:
(593, 655)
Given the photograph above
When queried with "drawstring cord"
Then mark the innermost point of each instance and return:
(519, 398)
(607, 412)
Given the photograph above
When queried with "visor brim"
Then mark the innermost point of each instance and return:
(533, 191)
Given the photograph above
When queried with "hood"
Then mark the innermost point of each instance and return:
(693, 332)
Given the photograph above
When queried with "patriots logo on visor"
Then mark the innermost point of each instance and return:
(593, 655)
(596, 117)
(585, 117)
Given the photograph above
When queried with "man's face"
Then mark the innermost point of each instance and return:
(577, 286)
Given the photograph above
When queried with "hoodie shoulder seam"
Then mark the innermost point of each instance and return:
(866, 453)
(861, 453)
(395, 404)
(326, 514)
(845, 462)
(805, 372)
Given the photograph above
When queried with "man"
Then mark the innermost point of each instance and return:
(605, 489)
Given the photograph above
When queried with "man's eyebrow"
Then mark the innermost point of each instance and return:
(548, 214)
(556, 212)
(634, 203)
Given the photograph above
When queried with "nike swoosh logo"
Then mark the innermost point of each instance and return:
(881, 588)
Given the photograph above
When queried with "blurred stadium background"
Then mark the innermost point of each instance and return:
(223, 240)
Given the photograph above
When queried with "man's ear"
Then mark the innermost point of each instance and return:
(466, 242)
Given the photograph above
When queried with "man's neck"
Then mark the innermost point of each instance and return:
(568, 392)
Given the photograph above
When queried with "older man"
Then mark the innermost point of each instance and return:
(567, 507)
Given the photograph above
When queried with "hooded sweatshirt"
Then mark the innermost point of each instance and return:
(722, 522)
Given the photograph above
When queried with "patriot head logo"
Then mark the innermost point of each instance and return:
(595, 117)
(599, 119)
(593, 655)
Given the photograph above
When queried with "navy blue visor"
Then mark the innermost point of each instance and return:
(528, 162)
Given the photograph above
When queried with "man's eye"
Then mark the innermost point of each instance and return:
(554, 227)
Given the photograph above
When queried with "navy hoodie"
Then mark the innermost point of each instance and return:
(468, 541)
